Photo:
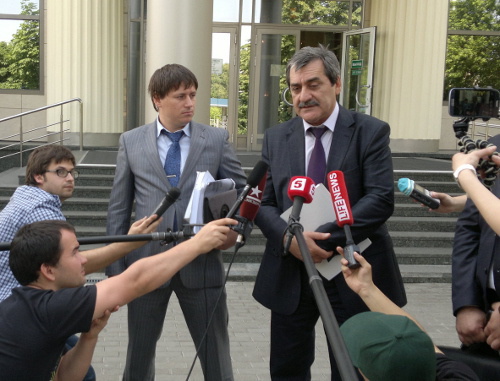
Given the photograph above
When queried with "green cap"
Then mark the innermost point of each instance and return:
(389, 347)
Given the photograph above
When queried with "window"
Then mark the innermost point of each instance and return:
(20, 45)
(473, 50)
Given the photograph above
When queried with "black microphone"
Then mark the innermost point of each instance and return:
(301, 191)
(249, 208)
(258, 172)
(171, 196)
(164, 237)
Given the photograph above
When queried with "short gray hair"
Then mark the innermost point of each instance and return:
(308, 54)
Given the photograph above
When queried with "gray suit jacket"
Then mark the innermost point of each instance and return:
(140, 176)
(360, 148)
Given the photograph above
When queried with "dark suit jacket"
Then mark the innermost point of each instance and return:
(473, 251)
(140, 177)
(360, 148)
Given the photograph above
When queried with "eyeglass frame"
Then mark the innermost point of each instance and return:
(63, 172)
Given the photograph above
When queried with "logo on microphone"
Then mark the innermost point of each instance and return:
(342, 209)
(301, 183)
(255, 196)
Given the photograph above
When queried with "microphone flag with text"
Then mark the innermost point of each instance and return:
(248, 211)
(258, 173)
(300, 191)
(342, 207)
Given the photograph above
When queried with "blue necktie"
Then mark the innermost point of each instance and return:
(172, 164)
(316, 169)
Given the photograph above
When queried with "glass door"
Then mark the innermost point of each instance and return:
(274, 48)
(224, 88)
(357, 69)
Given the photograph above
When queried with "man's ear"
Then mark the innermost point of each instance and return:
(47, 272)
(39, 179)
(339, 86)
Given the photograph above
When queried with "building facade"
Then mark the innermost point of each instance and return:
(104, 52)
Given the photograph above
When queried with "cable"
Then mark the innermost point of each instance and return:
(213, 312)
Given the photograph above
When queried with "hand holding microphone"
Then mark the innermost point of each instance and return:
(342, 207)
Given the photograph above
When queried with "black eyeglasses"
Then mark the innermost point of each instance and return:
(61, 172)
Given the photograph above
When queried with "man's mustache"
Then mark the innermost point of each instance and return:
(312, 102)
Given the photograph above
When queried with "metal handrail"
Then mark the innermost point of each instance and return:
(61, 122)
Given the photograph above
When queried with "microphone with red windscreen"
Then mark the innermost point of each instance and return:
(340, 198)
(248, 210)
(301, 191)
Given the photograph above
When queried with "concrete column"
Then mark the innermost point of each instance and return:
(409, 70)
(181, 32)
(85, 59)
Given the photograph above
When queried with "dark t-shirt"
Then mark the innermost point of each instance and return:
(448, 369)
(34, 326)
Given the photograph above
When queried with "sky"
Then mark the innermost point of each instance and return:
(9, 27)
(220, 46)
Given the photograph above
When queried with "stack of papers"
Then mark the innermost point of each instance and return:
(204, 184)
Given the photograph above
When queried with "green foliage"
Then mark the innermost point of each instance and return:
(244, 88)
(20, 58)
(220, 83)
(473, 60)
(215, 113)
(315, 12)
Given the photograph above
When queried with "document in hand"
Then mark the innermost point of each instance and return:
(315, 214)
(204, 184)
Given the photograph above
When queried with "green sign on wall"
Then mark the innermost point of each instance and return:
(356, 67)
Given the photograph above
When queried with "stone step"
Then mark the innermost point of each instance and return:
(405, 232)
(405, 256)
(247, 272)
(414, 209)
(427, 239)
(438, 183)
(436, 223)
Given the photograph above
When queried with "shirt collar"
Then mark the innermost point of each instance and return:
(329, 123)
(159, 127)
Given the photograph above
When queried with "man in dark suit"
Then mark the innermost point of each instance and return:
(356, 144)
(474, 294)
(141, 176)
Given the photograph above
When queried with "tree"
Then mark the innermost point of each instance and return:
(473, 60)
(20, 58)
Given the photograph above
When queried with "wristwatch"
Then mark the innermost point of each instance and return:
(460, 169)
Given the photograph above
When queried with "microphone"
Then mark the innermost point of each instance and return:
(258, 172)
(342, 207)
(171, 196)
(164, 237)
(301, 191)
(248, 210)
(409, 188)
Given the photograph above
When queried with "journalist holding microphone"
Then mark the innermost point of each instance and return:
(476, 256)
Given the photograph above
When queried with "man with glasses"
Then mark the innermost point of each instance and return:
(50, 179)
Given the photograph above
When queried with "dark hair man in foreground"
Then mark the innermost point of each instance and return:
(53, 304)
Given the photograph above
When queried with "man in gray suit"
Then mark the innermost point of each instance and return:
(354, 143)
(147, 167)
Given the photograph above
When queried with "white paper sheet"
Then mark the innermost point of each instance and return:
(319, 212)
